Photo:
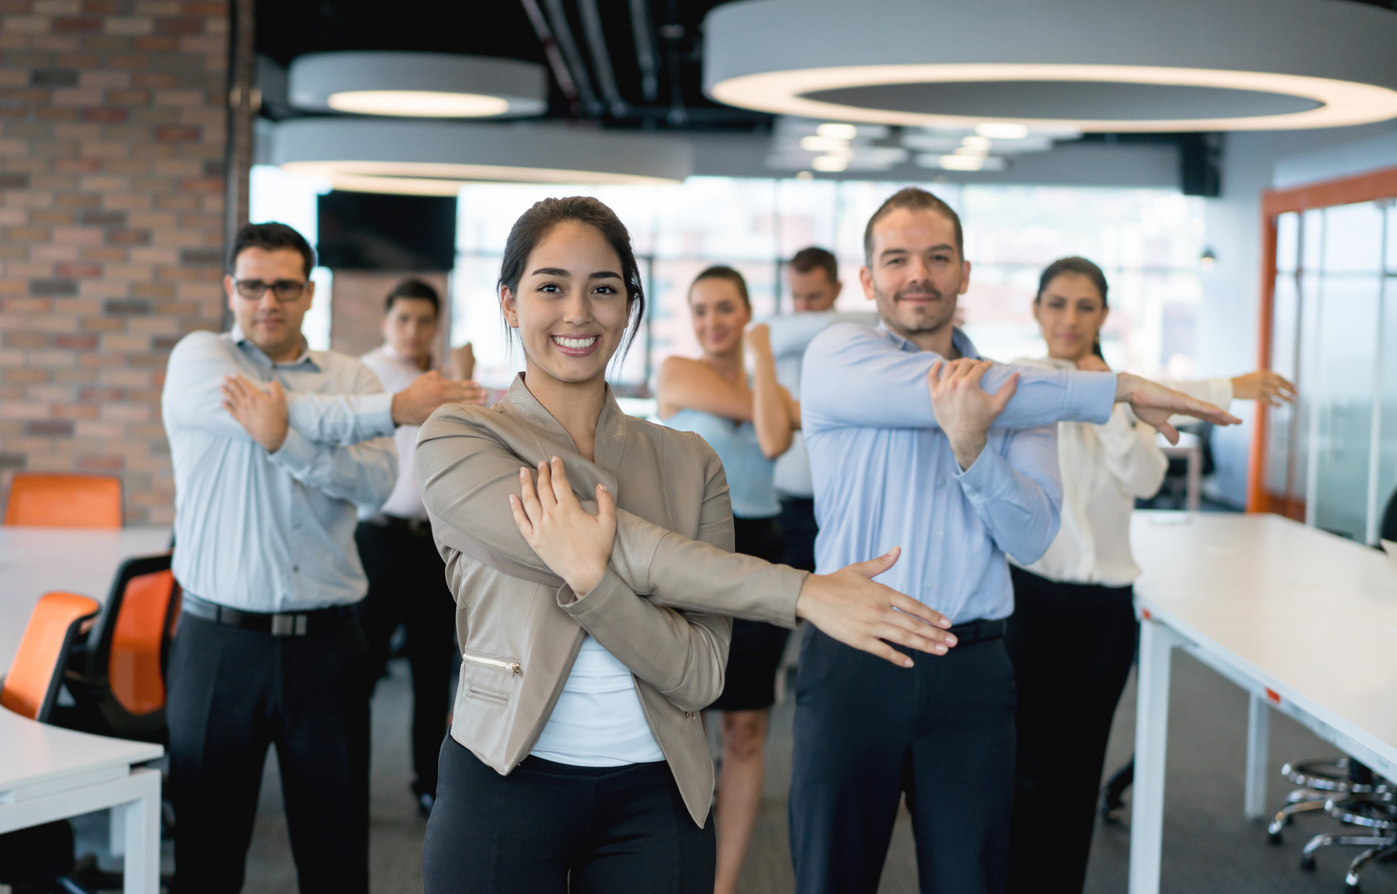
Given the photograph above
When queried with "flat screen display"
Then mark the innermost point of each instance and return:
(369, 231)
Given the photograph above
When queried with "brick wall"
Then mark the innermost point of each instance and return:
(112, 191)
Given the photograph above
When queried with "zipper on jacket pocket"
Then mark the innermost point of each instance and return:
(511, 666)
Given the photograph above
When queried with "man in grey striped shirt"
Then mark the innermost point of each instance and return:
(273, 445)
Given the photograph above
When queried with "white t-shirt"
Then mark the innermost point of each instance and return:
(396, 372)
(598, 720)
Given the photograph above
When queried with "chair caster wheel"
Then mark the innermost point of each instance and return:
(1273, 837)
(1307, 863)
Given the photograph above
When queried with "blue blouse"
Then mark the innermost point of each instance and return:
(751, 476)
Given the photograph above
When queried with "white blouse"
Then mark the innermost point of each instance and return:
(1104, 468)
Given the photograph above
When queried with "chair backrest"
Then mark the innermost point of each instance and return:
(31, 686)
(64, 501)
(127, 645)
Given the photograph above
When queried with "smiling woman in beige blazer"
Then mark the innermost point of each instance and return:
(591, 637)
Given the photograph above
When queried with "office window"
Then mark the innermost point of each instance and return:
(1147, 240)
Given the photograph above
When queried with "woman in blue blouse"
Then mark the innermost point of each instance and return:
(748, 424)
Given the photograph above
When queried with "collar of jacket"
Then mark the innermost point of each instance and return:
(611, 428)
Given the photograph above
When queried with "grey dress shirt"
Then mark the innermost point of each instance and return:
(274, 532)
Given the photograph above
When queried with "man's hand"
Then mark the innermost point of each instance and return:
(850, 607)
(1263, 385)
(963, 409)
(261, 413)
(574, 544)
(416, 402)
(1153, 404)
(460, 363)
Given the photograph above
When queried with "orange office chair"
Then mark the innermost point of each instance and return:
(41, 855)
(117, 678)
(31, 686)
(64, 501)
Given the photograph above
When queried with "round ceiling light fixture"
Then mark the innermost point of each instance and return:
(1088, 65)
(436, 158)
(418, 85)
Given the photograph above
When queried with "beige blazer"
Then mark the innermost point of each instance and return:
(661, 608)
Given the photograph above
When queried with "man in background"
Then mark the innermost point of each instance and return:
(813, 278)
(407, 577)
(273, 446)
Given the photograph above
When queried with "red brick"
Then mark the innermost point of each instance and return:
(102, 463)
(180, 25)
(177, 132)
(106, 113)
(79, 270)
(77, 23)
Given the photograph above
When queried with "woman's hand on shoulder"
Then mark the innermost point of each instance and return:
(572, 542)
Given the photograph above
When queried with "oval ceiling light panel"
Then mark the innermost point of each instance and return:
(1086, 65)
(436, 158)
(418, 85)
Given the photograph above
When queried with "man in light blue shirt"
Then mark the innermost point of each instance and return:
(916, 442)
(273, 444)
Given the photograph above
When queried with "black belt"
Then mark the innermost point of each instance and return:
(977, 631)
(420, 527)
(278, 624)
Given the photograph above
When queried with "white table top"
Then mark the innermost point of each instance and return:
(1310, 615)
(80, 560)
(36, 756)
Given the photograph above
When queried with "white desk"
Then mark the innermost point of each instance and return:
(1305, 621)
(80, 560)
(48, 773)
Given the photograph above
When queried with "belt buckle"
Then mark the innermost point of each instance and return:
(288, 625)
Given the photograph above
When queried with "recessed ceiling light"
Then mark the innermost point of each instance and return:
(420, 85)
(961, 162)
(804, 175)
(1076, 64)
(979, 143)
(829, 163)
(971, 151)
(837, 131)
(824, 144)
(1001, 130)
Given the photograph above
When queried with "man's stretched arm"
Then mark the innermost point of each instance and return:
(852, 376)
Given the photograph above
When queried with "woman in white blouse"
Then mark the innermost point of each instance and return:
(1080, 592)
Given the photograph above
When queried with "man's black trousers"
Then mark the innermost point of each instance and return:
(868, 732)
(234, 692)
(407, 585)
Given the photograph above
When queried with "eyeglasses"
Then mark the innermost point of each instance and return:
(285, 290)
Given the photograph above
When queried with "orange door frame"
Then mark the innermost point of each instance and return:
(1370, 187)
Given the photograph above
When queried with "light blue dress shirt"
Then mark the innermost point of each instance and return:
(750, 474)
(274, 532)
(885, 475)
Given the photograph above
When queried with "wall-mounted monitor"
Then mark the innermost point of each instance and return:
(369, 231)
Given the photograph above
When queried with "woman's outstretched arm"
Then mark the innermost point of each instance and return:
(771, 404)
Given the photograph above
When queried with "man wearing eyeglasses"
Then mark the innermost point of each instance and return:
(273, 445)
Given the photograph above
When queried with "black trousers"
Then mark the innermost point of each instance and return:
(1072, 646)
(867, 732)
(799, 528)
(407, 585)
(232, 693)
(754, 654)
(550, 828)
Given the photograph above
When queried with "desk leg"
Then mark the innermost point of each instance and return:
(1195, 478)
(1151, 740)
(141, 819)
(1258, 754)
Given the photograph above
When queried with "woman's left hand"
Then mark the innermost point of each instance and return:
(575, 544)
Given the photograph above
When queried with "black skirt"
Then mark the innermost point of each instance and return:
(756, 648)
